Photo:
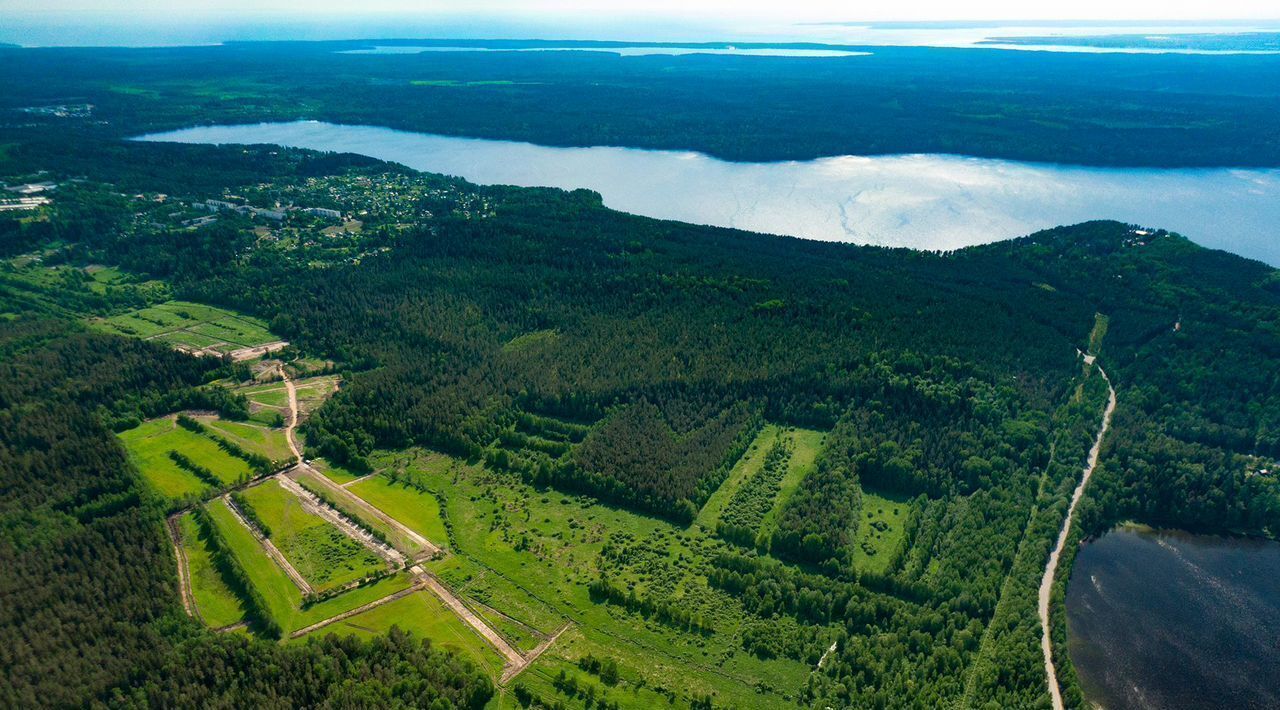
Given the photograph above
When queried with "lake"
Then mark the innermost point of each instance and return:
(1174, 620)
(938, 202)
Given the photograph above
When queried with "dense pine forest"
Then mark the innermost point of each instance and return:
(560, 345)
(1091, 109)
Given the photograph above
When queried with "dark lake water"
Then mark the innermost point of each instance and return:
(1173, 620)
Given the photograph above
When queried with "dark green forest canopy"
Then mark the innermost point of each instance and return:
(943, 379)
(1093, 109)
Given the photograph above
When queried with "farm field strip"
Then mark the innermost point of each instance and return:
(312, 504)
(744, 469)
(418, 586)
(200, 328)
(409, 542)
(215, 603)
(272, 551)
(149, 445)
(316, 545)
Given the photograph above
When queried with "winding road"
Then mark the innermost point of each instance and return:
(1051, 567)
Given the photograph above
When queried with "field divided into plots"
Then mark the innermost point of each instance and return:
(191, 325)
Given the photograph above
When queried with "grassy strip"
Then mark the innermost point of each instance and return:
(204, 474)
(256, 607)
(250, 513)
(259, 463)
(328, 500)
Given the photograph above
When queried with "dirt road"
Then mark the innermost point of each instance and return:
(293, 413)
(358, 610)
(184, 570)
(1051, 567)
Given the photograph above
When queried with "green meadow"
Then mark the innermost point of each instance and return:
(217, 604)
(417, 510)
(426, 616)
(148, 446)
(881, 531)
(191, 324)
(325, 556)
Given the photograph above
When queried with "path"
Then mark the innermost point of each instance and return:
(447, 596)
(1051, 567)
(184, 570)
(429, 549)
(271, 549)
(358, 610)
(513, 671)
(293, 413)
(314, 505)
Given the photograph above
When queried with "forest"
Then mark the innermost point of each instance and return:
(1090, 109)
(563, 348)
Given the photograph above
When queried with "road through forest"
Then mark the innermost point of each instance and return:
(1051, 567)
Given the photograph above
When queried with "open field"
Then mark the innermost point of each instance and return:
(415, 509)
(745, 468)
(191, 325)
(532, 555)
(336, 473)
(324, 555)
(371, 514)
(149, 444)
(283, 597)
(217, 604)
(425, 615)
(881, 530)
(268, 441)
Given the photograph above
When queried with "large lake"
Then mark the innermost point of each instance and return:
(919, 201)
(1173, 620)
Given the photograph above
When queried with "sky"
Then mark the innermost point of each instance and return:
(795, 10)
(172, 22)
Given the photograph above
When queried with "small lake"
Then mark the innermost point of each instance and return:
(918, 201)
(1174, 620)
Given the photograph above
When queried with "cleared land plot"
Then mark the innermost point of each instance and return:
(149, 444)
(193, 325)
(881, 530)
(806, 444)
(363, 510)
(269, 395)
(424, 615)
(282, 596)
(321, 553)
(417, 510)
(268, 441)
(745, 468)
(533, 555)
(217, 604)
(335, 473)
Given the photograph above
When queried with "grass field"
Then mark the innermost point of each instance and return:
(217, 604)
(268, 441)
(334, 472)
(418, 511)
(360, 509)
(148, 446)
(881, 531)
(192, 325)
(283, 597)
(325, 556)
(532, 554)
(426, 616)
(806, 444)
(272, 394)
(745, 468)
